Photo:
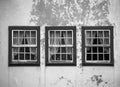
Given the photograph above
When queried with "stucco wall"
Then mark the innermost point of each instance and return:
(59, 12)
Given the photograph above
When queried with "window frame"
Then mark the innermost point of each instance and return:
(47, 29)
(92, 28)
(10, 42)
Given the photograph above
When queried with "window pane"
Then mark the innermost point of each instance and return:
(106, 33)
(89, 50)
(100, 49)
(57, 50)
(21, 34)
(63, 34)
(63, 41)
(88, 33)
(94, 49)
(27, 33)
(21, 49)
(57, 56)
(63, 56)
(69, 41)
(100, 33)
(106, 49)
(89, 57)
(33, 33)
(21, 55)
(27, 40)
(15, 33)
(106, 56)
(88, 41)
(27, 56)
(52, 57)
(27, 49)
(15, 56)
(52, 49)
(69, 33)
(100, 56)
(94, 56)
(63, 49)
(15, 41)
(58, 41)
(33, 53)
(94, 41)
(100, 40)
(57, 34)
(52, 34)
(15, 49)
(69, 56)
(94, 33)
(106, 41)
(52, 41)
(33, 40)
(69, 49)
(21, 41)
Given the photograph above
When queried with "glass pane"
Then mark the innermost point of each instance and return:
(94, 49)
(15, 41)
(89, 50)
(58, 41)
(88, 57)
(69, 56)
(100, 49)
(100, 33)
(21, 41)
(106, 49)
(27, 40)
(88, 33)
(69, 41)
(88, 42)
(52, 57)
(100, 56)
(52, 41)
(94, 56)
(21, 49)
(52, 50)
(57, 34)
(63, 41)
(106, 41)
(15, 33)
(27, 49)
(33, 53)
(27, 56)
(69, 49)
(63, 56)
(106, 33)
(57, 56)
(69, 33)
(21, 55)
(100, 41)
(15, 49)
(63, 49)
(15, 56)
(106, 56)
(33, 40)
(33, 33)
(57, 50)
(94, 33)
(21, 34)
(63, 34)
(27, 33)
(52, 34)
(94, 41)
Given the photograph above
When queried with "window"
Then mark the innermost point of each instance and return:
(24, 45)
(61, 45)
(97, 45)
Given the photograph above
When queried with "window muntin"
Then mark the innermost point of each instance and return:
(60, 46)
(24, 45)
(97, 45)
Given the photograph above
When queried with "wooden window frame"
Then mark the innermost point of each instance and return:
(47, 29)
(10, 42)
(84, 62)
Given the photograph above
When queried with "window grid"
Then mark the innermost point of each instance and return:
(24, 45)
(98, 46)
(60, 45)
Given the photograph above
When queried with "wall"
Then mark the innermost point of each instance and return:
(59, 12)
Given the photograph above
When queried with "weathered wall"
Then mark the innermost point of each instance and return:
(59, 12)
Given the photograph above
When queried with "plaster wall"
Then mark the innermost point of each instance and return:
(59, 12)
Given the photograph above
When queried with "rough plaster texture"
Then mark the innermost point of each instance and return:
(59, 12)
